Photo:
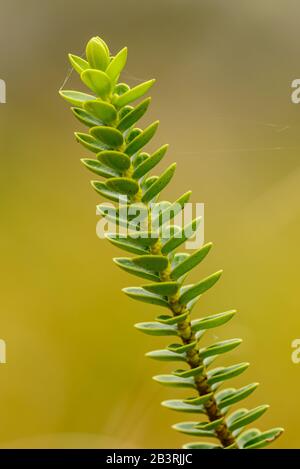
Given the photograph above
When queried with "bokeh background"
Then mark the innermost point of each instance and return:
(75, 373)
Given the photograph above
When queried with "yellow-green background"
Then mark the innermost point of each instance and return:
(75, 373)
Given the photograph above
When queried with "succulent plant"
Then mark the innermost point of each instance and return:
(120, 159)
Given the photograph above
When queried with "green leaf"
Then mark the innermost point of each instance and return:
(201, 445)
(102, 189)
(97, 81)
(141, 139)
(155, 263)
(210, 425)
(181, 236)
(150, 162)
(264, 439)
(123, 185)
(223, 373)
(247, 435)
(175, 381)
(75, 97)
(236, 395)
(165, 319)
(117, 64)
(190, 262)
(166, 355)
(159, 184)
(181, 406)
(162, 288)
(189, 429)
(103, 111)
(154, 328)
(219, 348)
(98, 168)
(199, 399)
(199, 288)
(89, 142)
(85, 118)
(97, 54)
(123, 243)
(144, 238)
(114, 159)
(134, 115)
(190, 372)
(178, 348)
(214, 320)
(78, 63)
(168, 213)
(133, 94)
(108, 135)
(140, 294)
(127, 265)
(248, 417)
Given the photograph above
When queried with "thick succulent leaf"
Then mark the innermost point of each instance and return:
(154, 328)
(114, 159)
(123, 185)
(148, 182)
(246, 436)
(141, 139)
(190, 372)
(166, 356)
(190, 262)
(235, 395)
(89, 142)
(199, 288)
(85, 118)
(96, 167)
(248, 417)
(103, 190)
(78, 63)
(181, 406)
(214, 320)
(264, 439)
(199, 399)
(210, 425)
(133, 94)
(159, 184)
(175, 381)
(162, 288)
(138, 293)
(171, 210)
(108, 135)
(149, 163)
(97, 81)
(189, 429)
(117, 64)
(144, 238)
(103, 111)
(96, 54)
(201, 445)
(124, 243)
(181, 236)
(134, 115)
(220, 374)
(219, 347)
(126, 264)
(179, 348)
(75, 97)
(155, 263)
(165, 319)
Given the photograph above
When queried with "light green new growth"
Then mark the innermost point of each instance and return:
(120, 160)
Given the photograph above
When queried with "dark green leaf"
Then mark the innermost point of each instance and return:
(124, 243)
(201, 445)
(181, 236)
(181, 406)
(89, 142)
(162, 288)
(114, 159)
(199, 288)
(127, 265)
(123, 185)
(171, 210)
(223, 373)
(134, 115)
(190, 262)
(155, 263)
(166, 355)
(219, 347)
(85, 118)
(141, 139)
(236, 395)
(102, 189)
(264, 439)
(248, 417)
(189, 429)
(140, 294)
(150, 162)
(190, 372)
(108, 135)
(214, 320)
(159, 184)
(98, 168)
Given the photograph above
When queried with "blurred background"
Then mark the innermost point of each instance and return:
(75, 373)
